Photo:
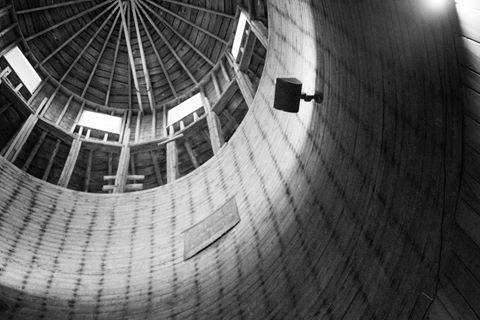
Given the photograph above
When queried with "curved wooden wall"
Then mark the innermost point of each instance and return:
(459, 290)
(341, 205)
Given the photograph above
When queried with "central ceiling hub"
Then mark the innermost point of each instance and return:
(126, 54)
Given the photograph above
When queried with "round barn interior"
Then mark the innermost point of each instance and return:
(362, 206)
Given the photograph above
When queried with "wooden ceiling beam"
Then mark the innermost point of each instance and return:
(199, 8)
(126, 31)
(114, 63)
(85, 47)
(52, 6)
(78, 15)
(151, 98)
(188, 42)
(191, 153)
(169, 46)
(190, 23)
(159, 58)
(100, 55)
(76, 34)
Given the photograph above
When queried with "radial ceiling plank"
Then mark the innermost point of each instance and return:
(78, 15)
(169, 46)
(199, 8)
(190, 23)
(200, 53)
(85, 27)
(52, 6)
(126, 30)
(146, 74)
(94, 69)
(89, 43)
(159, 58)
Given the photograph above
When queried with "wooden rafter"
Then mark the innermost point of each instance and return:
(169, 46)
(159, 58)
(126, 31)
(151, 98)
(89, 43)
(199, 8)
(114, 63)
(51, 6)
(100, 55)
(190, 23)
(185, 40)
(74, 35)
(78, 15)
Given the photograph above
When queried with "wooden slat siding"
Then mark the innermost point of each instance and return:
(459, 290)
(340, 204)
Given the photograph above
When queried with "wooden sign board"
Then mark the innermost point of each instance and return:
(209, 230)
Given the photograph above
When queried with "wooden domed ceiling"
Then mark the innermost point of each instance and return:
(135, 54)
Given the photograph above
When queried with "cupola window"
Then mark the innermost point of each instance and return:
(237, 41)
(184, 109)
(24, 70)
(100, 121)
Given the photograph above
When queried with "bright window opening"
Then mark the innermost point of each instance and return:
(185, 108)
(237, 42)
(101, 121)
(24, 70)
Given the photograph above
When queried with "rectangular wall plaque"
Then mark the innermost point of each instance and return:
(212, 228)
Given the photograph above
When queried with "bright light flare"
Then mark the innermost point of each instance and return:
(437, 4)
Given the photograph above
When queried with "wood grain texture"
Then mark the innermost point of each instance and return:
(341, 205)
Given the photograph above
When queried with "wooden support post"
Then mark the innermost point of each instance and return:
(48, 169)
(77, 119)
(34, 151)
(88, 171)
(70, 163)
(172, 158)
(191, 153)
(64, 110)
(110, 164)
(231, 119)
(258, 28)
(122, 171)
(214, 127)
(154, 124)
(216, 85)
(224, 71)
(137, 127)
(164, 121)
(156, 168)
(20, 139)
(37, 91)
(243, 81)
(47, 105)
(247, 52)
(133, 170)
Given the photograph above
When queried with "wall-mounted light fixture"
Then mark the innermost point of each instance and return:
(288, 93)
